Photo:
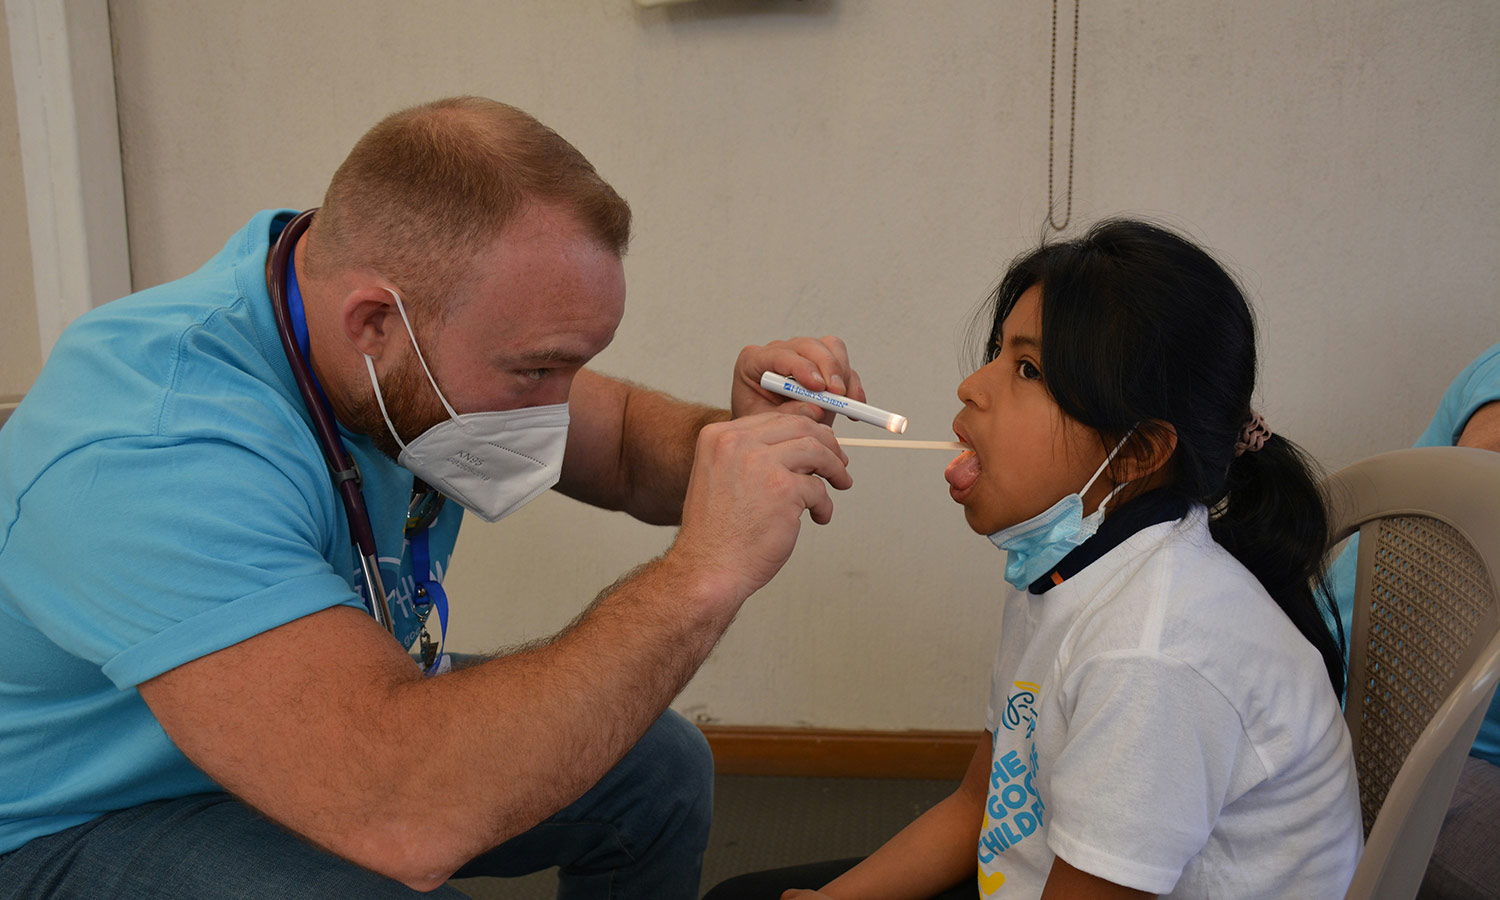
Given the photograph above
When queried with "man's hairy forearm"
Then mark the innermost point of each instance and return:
(631, 448)
(509, 742)
(659, 436)
(348, 745)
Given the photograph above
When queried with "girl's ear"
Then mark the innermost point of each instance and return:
(1148, 451)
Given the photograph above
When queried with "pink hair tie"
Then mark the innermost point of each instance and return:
(1253, 435)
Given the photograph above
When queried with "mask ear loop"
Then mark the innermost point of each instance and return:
(420, 358)
(1103, 504)
(380, 401)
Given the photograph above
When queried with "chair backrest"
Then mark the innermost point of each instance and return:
(1424, 646)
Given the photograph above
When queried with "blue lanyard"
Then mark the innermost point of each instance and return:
(299, 326)
(430, 595)
(430, 590)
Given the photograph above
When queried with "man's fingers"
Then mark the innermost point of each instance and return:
(814, 457)
(815, 364)
(773, 427)
(840, 352)
(818, 364)
(786, 361)
(809, 456)
(752, 479)
(800, 446)
(803, 435)
(815, 498)
(856, 387)
(832, 362)
(809, 410)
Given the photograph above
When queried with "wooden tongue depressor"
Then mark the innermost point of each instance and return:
(904, 444)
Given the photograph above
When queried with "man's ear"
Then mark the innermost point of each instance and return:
(1148, 451)
(370, 320)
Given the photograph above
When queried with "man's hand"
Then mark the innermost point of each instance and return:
(817, 364)
(751, 480)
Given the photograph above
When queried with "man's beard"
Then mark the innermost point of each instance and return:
(403, 385)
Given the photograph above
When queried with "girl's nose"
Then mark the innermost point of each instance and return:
(971, 390)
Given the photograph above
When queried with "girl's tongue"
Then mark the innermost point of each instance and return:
(963, 472)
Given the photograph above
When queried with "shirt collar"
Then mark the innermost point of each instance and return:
(1151, 508)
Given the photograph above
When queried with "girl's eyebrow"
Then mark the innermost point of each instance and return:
(1022, 340)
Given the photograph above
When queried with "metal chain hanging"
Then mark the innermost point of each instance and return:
(1052, 123)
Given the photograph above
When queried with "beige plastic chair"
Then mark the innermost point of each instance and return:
(1425, 648)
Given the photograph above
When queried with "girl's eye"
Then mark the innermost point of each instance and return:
(1028, 371)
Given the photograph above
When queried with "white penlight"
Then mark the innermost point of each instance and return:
(861, 412)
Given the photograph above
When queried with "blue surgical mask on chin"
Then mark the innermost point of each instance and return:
(1033, 547)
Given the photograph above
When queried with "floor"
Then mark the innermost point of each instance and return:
(762, 822)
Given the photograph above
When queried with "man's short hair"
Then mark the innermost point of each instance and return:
(430, 187)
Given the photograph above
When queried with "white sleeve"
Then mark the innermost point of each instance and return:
(1150, 752)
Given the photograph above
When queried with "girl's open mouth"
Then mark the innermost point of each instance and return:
(964, 471)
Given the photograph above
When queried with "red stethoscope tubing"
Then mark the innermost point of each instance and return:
(340, 464)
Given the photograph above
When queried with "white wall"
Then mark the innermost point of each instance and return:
(20, 348)
(866, 168)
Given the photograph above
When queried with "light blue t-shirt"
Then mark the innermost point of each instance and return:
(1476, 386)
(162, 496)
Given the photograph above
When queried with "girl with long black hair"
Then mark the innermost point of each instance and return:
(1164, 711)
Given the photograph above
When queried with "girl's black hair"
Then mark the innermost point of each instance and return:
(1142, 329)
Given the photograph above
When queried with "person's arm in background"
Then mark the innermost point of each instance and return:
(1483, 428)
(630, 448)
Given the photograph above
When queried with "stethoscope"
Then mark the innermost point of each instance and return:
(426, 503)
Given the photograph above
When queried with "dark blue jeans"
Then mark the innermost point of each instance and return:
(639, 833)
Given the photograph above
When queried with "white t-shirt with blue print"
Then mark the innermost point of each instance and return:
(1160, 723)
(162, 496)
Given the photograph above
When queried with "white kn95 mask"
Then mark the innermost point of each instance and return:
(490, 463)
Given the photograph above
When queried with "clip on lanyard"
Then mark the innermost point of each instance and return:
(429, 590)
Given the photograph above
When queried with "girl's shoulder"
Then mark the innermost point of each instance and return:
(1174, 574)
(1184, 600)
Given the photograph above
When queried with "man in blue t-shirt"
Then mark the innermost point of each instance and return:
(1467, 416)
(194, 701)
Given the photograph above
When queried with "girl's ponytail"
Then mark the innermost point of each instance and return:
(1271, 518)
